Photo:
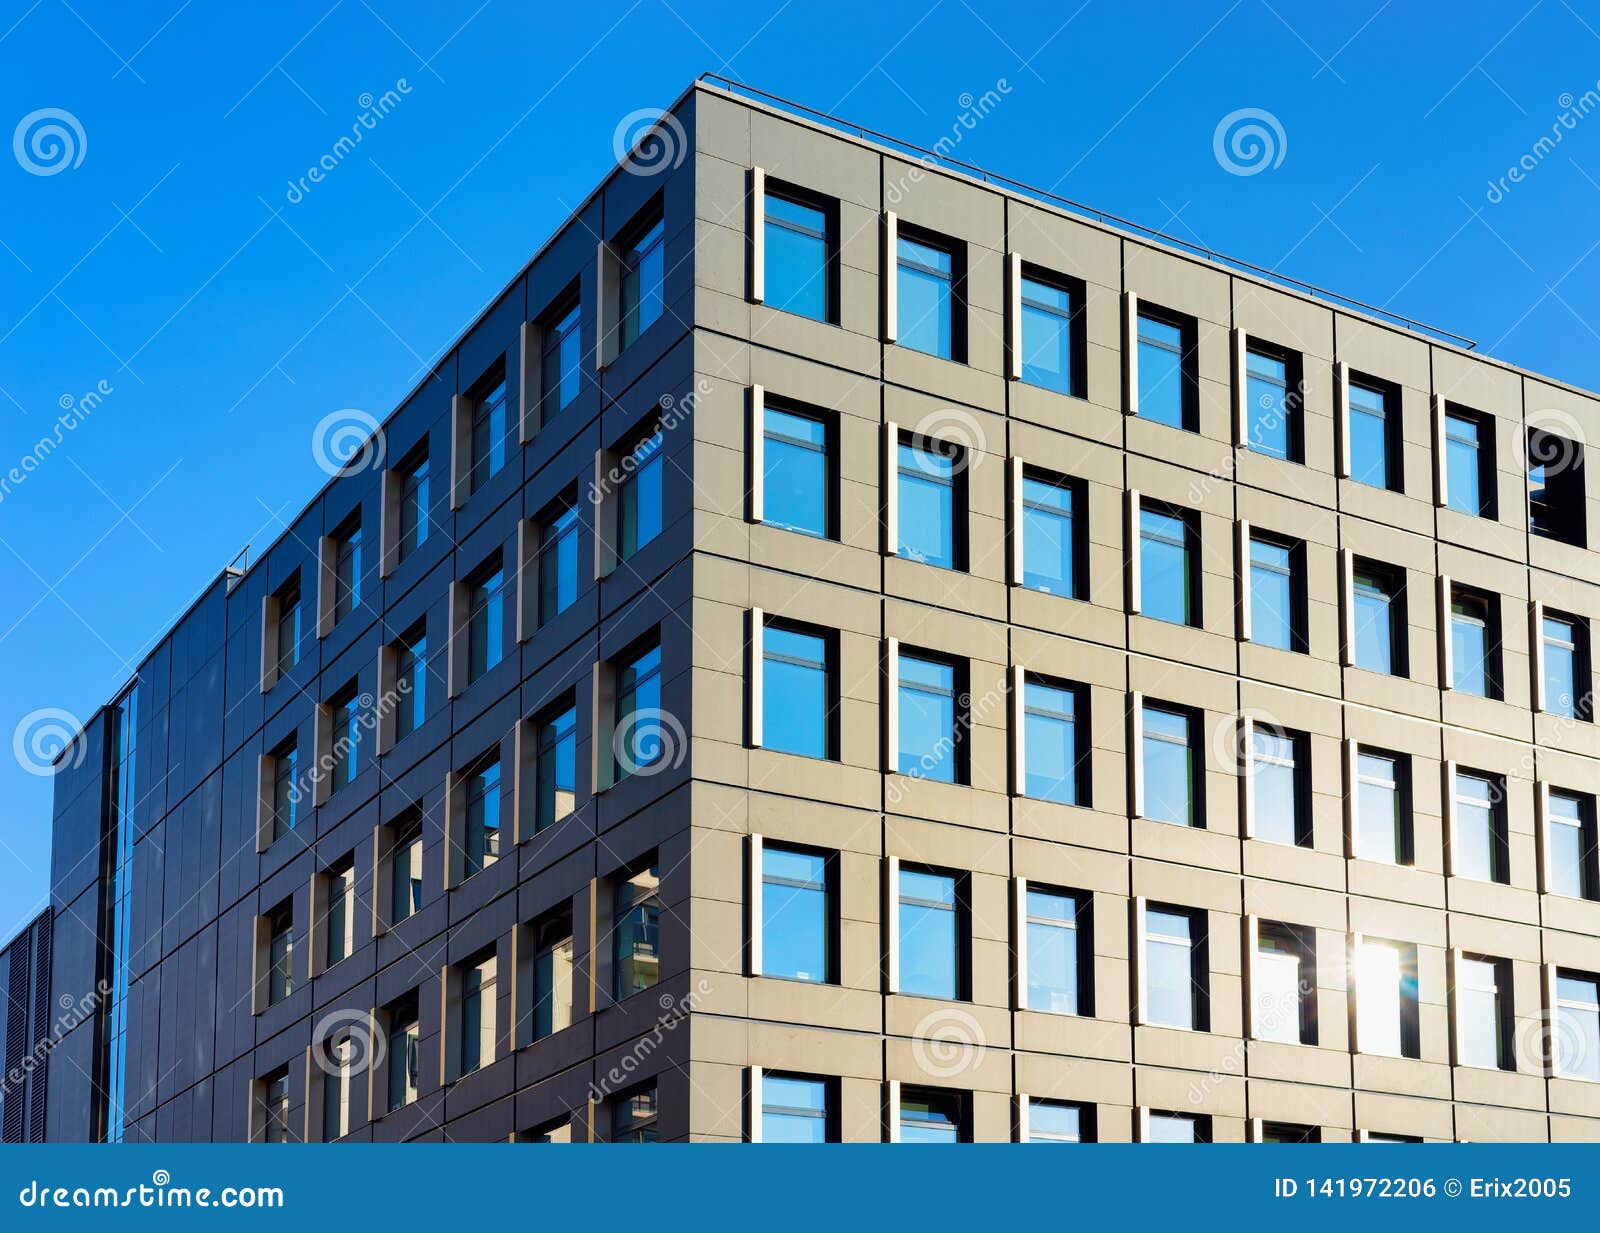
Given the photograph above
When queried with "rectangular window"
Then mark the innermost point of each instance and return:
(1059, 951)
(1577, 1027)
(288, 626)
(642, 736)
(339, 885)
(933, 929)
(932, 503)
(405, 868)
(285, 761)
(1380, 619)
(931, 1115)
(347, 567)
(797, 691)
(1556, 489)
(639, 495)
(1168, 565)
(1480, 844)
(1055, 749)
(794, 1109)
(797, 480)
(556, 767)
(931, 739)
(633, 1116)
(411, 681)
(558, 561)
(1277, 593)
(1574, 868)
(643, 274)
(1272, 401)
(1386, 999)
(1051, 530)
(1169, 383)
(343, 757)
(636, 933)
(280, 952)
(488, 431)
(1050, 349)
(799, 234)
(413, 504)
(485, 619)
(1469, 462)
(403, 1041)
(1171, 778)
(1483, 997)
(557, 1131)
(1059, 1121)
(1566, 666)
(1474, 643)
(275, 1106)
(1175, 968)
(1280, 786)
(480, 837)
(337, 1066)
(1177, 1128)
(1374, 430)
(1383, 808)
(477, 1012)
(553, 957)
(927, 289)
(560, 356)
(1283, 985)
(1289, 1132)
(797, 914)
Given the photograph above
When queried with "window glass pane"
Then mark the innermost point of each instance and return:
(1379, 998)
(639, 497)
(1369, 436)
(930, 948)
(552, 982)
(795, 914)
(1052, 952)
(796, 258)
(1577, 1029)
(796, 490)
(1462, 458)
(1572, 856)
(561, 358)
(1275, 983)
(558, 564)
(926, 310)
(1168, 767)
(413, 508)
(1165, 576)
(486, 625)
(795, 702)
(1048, 562)
(1047, 335)
(1476, 852)
(405, 867)
(927, 700)
(488, 436)
(1469, 646)
(482, 837)
(1379, 819)
(557, 769)
(927, 506)
(643, 733)
(793, 1110)
(930, 1118)
(1276, 787)
(1375, 621)
(1266, 401)
(1478, 990)
(1169, 955)
(1272, 594)
(1562, 690)
(1054, 1121)
(1173, 1128)
(1051, 736)
(643, 275)
(411, 685)
(1161, 372)
(635, 934)
(633, 1118)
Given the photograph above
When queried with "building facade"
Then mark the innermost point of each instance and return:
(26, 1022)
(841, 649)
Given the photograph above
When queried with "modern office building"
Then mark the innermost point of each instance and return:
(847, 647)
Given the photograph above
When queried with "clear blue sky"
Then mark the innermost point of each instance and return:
(227, 321)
